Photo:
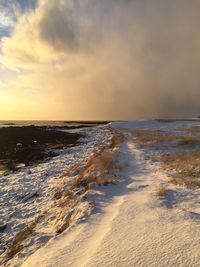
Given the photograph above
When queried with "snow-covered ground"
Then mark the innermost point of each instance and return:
(156, 125)
(131, 226)
(25, 194)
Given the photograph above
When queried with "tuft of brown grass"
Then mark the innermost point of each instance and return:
(98, 169)
(182, 140)
(66, 223)
(72, 170)
(194, 129)
(17, 243)
(142, 132)
(145, 137)
(117, 138)
(189, 182)
(161, 191)
(189, 141)
(185, 167)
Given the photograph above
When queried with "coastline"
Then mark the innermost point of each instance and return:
(86, 185)
(28, 193)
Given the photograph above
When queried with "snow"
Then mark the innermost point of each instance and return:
(155, 125)
(25, 194)
(131, 226)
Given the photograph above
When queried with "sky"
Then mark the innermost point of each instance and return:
(99, 60)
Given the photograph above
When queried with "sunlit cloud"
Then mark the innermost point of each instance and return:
(107, 59)
(10, 12)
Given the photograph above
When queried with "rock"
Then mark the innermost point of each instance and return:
(19, 144)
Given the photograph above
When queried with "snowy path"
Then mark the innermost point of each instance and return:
(132, 228)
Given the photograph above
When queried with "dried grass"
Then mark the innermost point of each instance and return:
(17, 243)
(97, 170)
(117, 138)
(161, 191)
(70, 190)
(66, 223)
(142, 132)
(188, 182)
(182, 140)
(185, 167)
(195, 129)
(146, 137)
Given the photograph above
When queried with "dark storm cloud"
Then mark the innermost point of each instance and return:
(138, 58)
(59, 29)
(75, 25)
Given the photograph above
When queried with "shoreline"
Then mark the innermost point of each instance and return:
(30, 195)
(72, 193)
(25, 145)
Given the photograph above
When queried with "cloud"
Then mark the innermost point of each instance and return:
(10, 12)
(111, 59)
(17, 6)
